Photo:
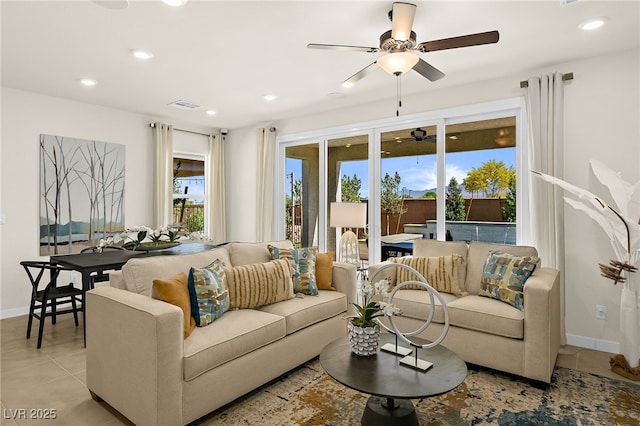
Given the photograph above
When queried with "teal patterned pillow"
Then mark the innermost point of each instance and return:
(303, 261)
(504, 276)
(208, 293)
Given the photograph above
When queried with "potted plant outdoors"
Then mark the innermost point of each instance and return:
(364, 330)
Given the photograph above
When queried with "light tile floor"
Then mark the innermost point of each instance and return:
(53, 377)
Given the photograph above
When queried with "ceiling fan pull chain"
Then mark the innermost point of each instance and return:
(398, 94)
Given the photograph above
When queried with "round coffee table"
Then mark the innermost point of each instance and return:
(390, 384)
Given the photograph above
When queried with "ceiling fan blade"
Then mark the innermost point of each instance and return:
(343, 47)
(428, 71)
(402, 16)
(461, 41)
(362, 73)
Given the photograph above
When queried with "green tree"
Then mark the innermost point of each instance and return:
(429, 194)
(474, 182)
(351, 188)
(509, 210)
(391, 200)
(454, 209)
(492, 178)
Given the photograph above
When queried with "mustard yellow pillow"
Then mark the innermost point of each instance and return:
(175, 291)
(324, 271)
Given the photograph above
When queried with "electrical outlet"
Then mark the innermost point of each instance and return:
(601, 312)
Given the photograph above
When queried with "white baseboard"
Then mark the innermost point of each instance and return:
(591, 343)
(15, 312)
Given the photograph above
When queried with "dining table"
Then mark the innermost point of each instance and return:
(91, 263)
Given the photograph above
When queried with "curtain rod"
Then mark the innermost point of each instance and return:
(565, 77)
(153, 125)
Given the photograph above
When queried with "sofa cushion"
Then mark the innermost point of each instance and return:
(139, 273)
(416, 304)
(303, 312)
(324, 270)
(208, 293)
(235, 334)
(174, 290)
(478, 253)
(487, 316)
(303, 261)
(505, 275)
(250, 253)
(259, 284)
(432, 248)
(444, 273)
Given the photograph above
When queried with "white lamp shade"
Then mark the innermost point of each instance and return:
(348, 215)
(398, 62)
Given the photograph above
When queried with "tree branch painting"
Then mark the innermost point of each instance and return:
(81, 193)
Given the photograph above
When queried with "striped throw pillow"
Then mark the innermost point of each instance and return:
(444, 273)
(259, 284)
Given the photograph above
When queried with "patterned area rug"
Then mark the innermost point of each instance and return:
(308, 396)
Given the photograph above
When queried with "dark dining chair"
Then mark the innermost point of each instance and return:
(45, 298)
(100, 276)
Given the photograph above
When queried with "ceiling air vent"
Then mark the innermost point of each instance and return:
(182, 104)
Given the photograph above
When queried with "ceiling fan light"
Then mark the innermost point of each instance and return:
(398, 62)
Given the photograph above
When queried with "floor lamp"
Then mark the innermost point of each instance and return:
(348, 215)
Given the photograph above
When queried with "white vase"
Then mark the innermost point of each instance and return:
(630, 319)
(364, 340)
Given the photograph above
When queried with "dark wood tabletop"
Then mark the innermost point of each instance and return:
(382, 375)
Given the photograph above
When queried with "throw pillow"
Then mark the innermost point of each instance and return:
(444, 273)
(303, 261)
(174, 290)
(208, 292)
(259, 284)
(504, 276)
(324, 271)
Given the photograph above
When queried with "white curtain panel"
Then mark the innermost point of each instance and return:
(545, 105)
(216, 222)
(265, 183)
(163, 175)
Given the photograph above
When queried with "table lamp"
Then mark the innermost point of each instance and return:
(348, 215)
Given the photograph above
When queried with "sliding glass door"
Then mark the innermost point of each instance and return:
(457, 174)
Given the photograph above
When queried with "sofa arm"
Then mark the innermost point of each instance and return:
(134, 355)
(388, 274)
(541, 323)
(345, 280)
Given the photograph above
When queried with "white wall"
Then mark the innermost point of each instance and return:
(602, 110)
(25, 116)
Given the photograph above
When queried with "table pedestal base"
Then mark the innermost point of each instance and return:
(389, 412)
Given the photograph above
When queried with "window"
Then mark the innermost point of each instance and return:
(405, 168)
(188, 192)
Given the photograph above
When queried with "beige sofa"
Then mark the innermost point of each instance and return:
(140, 364)
(486, 331)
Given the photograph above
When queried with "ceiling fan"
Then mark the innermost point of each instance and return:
(399, 43)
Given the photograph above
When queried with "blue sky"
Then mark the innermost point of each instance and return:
(419, 173)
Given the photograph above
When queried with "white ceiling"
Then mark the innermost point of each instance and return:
(225, 55)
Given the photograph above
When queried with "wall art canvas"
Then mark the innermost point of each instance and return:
(81, 193)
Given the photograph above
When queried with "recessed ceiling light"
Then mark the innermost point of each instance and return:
(347, 85)
(211, 112)
(142, 54)
(593, 24)
(175, 3)
(88, 82)
(270, 97)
